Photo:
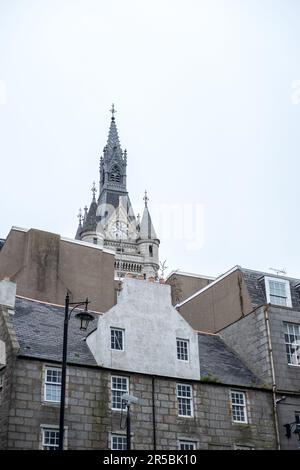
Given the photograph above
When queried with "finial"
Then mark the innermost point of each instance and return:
(113, 111)
(94, 190)
(85, 212)
(80, 217)
(146, 199)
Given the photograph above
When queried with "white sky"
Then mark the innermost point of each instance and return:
(205, 107)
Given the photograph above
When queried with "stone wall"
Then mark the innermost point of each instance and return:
(248, 337)
(6, 374)
(90, 421)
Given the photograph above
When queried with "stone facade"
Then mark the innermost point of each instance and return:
(249, 337)
(90, 422)
(6, 373)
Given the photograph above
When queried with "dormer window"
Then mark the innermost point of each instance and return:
(278, 291)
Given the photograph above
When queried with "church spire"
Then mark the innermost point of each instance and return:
(113, 142)
(147, 231)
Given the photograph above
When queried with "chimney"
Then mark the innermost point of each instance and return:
(8, 293)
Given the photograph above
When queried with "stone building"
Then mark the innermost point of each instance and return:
(110, 220)
(258, 315)
(201, 396)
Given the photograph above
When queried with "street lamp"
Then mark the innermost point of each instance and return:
(85, 317)
(128, 399)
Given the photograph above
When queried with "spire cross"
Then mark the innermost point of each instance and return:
(94, 190)
(146, 199)
(80, 216)
(112, 110)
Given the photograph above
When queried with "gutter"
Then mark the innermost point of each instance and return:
(274, 386)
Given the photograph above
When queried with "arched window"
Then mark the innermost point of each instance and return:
(115, 174)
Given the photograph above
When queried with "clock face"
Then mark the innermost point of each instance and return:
(120, 229)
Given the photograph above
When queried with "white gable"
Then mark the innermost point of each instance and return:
(151, 325)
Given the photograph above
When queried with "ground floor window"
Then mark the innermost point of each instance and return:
(50, 439)
(118, 442)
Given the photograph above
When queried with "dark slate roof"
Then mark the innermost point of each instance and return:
(256, 287)
(218, 363)
(2, 241)
(39, 329)
(91, 222)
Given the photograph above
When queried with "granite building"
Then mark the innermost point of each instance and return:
(202, 396)
(258, 315)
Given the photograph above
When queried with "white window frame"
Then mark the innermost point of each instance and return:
(180, 397)
(46, 382)
(116, 390)
(243, 406)
(112, 328)
(187, 442)
(118, 436)
(186, 341)
(290, 330)
(287, 290)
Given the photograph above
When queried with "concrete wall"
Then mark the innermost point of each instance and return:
(151, 325)
(45, 266)
(90, 421)
(218, 306)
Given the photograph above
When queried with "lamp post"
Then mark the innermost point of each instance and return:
(85, 317)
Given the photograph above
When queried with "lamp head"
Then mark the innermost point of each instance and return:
(85, 317)
(129, 399)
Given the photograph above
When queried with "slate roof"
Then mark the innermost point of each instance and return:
(221, 364)
(256, 287)
(39, 329)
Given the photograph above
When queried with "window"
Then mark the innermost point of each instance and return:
(238, 406)
(278, 291)
(187, 445)
(151, 250)
(182, 349)
(185, 400)
(50, 439)
(119, 386)
(118, 442)
(292, 343)
(117, 339)
(52, 384)
(95, 241)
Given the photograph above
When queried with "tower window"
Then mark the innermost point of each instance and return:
(151, 250)
(95, 241)
(115, 174)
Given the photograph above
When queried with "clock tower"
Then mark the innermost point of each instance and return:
(110, 221)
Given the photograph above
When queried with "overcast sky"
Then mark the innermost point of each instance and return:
(208, 107)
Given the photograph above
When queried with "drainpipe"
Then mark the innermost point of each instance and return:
(153, 413)
(274, 386)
